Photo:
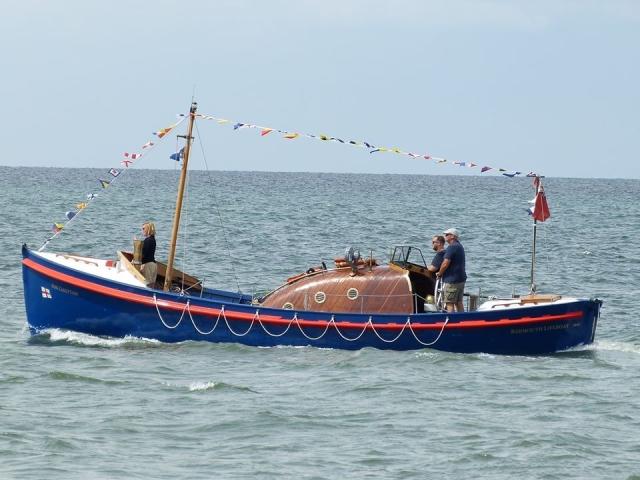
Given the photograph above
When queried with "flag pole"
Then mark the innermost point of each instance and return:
(533, 256)
(176, 216)
(540, 212)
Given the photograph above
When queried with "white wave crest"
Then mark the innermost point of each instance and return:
(624, 347)
(201, 386)
(57, 335)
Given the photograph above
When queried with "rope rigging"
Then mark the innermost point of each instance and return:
(217, 209)
(368, 325)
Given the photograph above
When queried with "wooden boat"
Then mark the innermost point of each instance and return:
(356, 304)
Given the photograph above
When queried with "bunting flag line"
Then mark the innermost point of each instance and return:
(290, 135)
(71, 215)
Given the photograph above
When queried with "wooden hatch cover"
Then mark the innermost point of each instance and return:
(379, 289)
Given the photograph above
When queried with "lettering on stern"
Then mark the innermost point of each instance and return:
(544, 328)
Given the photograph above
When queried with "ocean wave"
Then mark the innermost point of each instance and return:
(608, 345)
(206, 385)
(56, 335)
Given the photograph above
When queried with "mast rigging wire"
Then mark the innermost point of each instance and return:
(217, 207)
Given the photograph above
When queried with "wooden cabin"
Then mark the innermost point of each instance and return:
(359, 286)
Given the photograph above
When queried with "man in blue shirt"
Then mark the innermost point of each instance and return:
(437, 243)
(452, 271)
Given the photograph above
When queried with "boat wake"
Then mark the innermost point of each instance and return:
(55, 336)
(611, 346)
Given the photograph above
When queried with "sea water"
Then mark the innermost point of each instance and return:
(73, 406)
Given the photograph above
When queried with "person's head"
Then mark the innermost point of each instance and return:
(451, 235)
(148, 228)
(437, 242)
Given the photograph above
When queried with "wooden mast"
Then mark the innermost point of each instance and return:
(176, 216)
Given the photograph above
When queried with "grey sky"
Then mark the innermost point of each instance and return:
(549, 86)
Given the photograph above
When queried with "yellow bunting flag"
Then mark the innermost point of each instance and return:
(291, 136)
(162, 132)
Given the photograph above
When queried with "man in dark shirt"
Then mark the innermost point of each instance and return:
(437, 243)
(453, 271)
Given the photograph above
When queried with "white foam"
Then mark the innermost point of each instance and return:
(625, 347)
(57, 335)
(201, 386)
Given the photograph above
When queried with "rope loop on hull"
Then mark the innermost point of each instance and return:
(212, 328)
(170, 327)
(326, 328)
(276, 335)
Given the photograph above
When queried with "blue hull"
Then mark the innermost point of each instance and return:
(64, 298)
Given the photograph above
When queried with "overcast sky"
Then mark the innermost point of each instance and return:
(545, 86)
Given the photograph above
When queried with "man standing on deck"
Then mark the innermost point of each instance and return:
(453, 272)
(437, 243)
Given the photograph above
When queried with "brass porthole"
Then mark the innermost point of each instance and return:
(320, 297)
(352, 293)
(288, 306)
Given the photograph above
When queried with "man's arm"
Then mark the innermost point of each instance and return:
(443, 268)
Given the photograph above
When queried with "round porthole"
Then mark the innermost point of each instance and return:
(352, 293)
(320, 297)
(288, 306)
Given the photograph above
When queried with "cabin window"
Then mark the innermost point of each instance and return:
(288, 306)
(352, 293)
(320, 297)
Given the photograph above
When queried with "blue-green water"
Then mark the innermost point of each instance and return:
(79, 407)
